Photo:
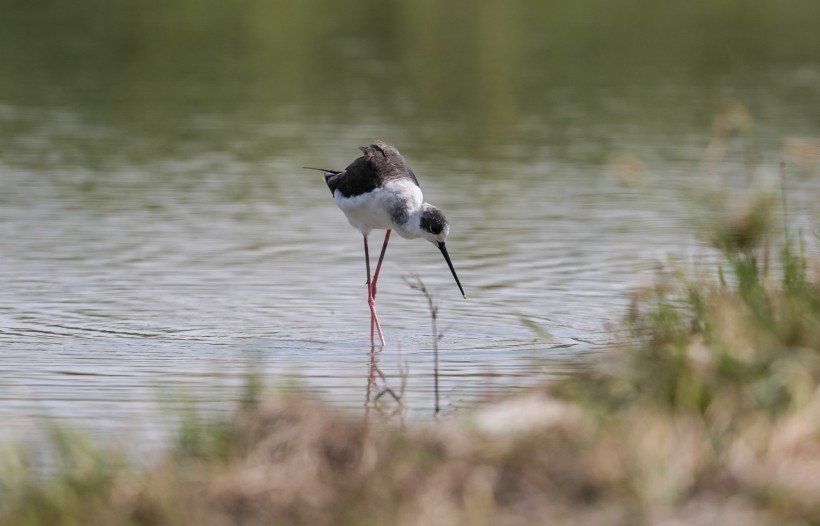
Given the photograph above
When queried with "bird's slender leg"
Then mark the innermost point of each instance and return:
(371, 301)
(379, 264)
(376, 276)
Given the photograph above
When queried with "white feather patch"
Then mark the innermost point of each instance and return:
(382, 207)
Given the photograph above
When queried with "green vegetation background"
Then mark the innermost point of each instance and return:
(482, 64)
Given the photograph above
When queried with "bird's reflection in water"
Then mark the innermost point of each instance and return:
(386, 400)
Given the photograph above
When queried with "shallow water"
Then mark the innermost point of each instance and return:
(155, 251)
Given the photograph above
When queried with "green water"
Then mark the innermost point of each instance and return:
(461, 78)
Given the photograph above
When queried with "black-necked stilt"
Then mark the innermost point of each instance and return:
(379, 191)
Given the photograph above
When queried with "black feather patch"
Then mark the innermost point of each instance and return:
(379, 163)
(433, 221)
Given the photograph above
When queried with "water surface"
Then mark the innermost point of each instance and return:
(159, 239)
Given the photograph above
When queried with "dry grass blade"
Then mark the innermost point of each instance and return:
(415, 282)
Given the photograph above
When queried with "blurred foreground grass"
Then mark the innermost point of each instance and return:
(707, 413)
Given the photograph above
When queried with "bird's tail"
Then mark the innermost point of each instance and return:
(329, 175)
(331, 172)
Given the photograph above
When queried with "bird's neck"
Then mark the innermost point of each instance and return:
(411, 229)
(405, 202)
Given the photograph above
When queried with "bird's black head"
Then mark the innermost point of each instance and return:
(433, 225)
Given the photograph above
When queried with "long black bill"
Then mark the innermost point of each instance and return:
(450, 264)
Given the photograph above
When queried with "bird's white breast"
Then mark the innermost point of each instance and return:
(391, 205)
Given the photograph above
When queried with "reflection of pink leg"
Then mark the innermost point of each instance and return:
(371, 301)
(371, 380)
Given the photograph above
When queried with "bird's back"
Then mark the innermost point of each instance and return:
(378, 164)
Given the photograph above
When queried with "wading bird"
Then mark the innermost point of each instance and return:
(379, 191)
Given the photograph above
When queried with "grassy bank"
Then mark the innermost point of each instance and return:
(707, 413)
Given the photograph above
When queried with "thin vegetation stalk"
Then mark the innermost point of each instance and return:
(417, 284)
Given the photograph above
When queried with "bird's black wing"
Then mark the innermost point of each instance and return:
(358, 178)
(380, 163)
(412, 177)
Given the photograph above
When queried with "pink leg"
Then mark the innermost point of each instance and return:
(371, 301)
(376, 276)
(379, 264)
